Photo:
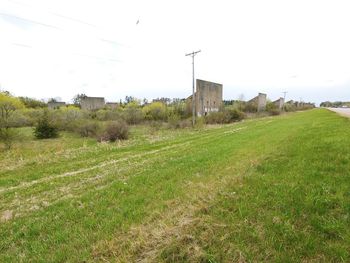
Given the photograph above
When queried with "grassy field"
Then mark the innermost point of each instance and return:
(275, 189)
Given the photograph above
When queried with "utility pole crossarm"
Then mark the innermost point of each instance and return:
(193, 53)
(284, 93)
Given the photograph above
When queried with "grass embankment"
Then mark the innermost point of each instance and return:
(272, 189)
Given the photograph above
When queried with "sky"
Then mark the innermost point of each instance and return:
(112, 48)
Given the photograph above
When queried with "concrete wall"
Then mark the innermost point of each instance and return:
(259, 101)
(112, 105)
(279, 103)
(208, 97)
(92, 103)
(55, 105)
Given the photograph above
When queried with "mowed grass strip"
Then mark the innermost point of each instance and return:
(39, 192)
(34, 159)
(116, 166)
(292, 207)
(95, 223)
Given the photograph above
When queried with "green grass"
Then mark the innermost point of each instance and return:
(271, 189)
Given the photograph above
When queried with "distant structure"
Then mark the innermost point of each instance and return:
(112, 105)
(92, 103)
(208, 97)
(279, 103)
(55, 105)
(259, 101)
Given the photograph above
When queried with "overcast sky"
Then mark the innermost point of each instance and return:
(109, 48)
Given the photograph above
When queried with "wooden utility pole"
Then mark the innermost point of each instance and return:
(193, 85)
(284, 99)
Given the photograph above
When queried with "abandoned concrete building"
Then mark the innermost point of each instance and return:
(279, 103)
(259, 101)
(112, 105)
(55, 105)
(92, 103)
(208, 97)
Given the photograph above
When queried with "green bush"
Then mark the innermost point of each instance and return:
(64, 118)
(272, 109)
(32, 115)
(133, 114)
(288, 107)
(88, 128)
(108, 115)
(45, 129)
(18, 119)
(251, 107)
(270, 106)
(7, 137)
(32, 103)
(227, 115)
(9, 106)
(274, 112)
(233, 114)
(216, 118)
(156, 111)
(174, 121)
(240, 105)
(178, 107)
(116, 130)
(200, 122)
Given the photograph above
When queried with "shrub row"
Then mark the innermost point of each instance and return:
(112, 124)
(110, 131)
(228, 115)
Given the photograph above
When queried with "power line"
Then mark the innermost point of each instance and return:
(193, 94)
(111, 42)
(73, 19)
(22, 45)
(54, 13)
(61, 30)
(57, 28)
(60, 16)
(29, 20)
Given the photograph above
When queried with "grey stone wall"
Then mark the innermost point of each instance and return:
(55, 105)
(259, 101)
(92, 103)
(112, 105)
(279, 103)
(208, 97)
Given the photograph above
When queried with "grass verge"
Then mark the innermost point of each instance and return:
(272, 189)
